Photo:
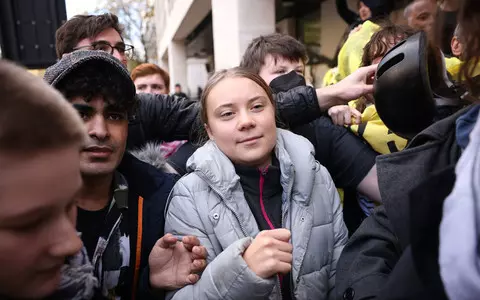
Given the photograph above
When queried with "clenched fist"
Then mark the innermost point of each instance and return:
(270, 253)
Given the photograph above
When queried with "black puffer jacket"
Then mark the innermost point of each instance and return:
(168, 118)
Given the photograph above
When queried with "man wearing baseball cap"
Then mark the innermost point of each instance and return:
(121, 204)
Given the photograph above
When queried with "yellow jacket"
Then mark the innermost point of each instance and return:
(350, 55)
(374, 132)
(453, 66)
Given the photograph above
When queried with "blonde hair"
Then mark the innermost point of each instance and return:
(236, 72)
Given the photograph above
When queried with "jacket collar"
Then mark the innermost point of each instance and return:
(250, 178)
(438, 130)
(293, 152)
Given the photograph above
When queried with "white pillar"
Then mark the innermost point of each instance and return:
(235, 24)
(197, 75)
(163, 63)
(177, 65)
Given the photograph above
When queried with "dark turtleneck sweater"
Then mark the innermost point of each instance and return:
(263, 192)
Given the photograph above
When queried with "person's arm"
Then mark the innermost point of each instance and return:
(368, 258)
(304, 104)
(350, 88)
(350, 161)
(227, 275)
(297, 106)
(168, 118)
(369, 186)
(345, 13)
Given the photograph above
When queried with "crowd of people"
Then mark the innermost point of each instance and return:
(265, 187)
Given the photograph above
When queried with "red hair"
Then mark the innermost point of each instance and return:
(150, 69)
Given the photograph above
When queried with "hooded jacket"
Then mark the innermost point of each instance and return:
(210, 203)
(148, 190)
(150, 153)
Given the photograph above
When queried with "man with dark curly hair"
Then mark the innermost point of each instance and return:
(121, 204)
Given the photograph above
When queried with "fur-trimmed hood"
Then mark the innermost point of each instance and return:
(150, 153)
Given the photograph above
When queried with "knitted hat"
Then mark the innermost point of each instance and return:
(72, 61)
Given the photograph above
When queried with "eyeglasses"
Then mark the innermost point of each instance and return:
(105, 46)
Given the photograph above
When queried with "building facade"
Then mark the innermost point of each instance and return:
(196, 37)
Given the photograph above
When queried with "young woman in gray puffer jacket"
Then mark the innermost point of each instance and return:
(267, 212)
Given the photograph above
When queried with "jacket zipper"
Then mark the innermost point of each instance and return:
(262, 205)
(284, 214)
(240, 223)
(269, 222)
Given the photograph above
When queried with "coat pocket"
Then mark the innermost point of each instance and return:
(320, 248)
(313, 285)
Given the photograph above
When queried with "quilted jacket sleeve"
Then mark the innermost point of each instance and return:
(167, 118)
(340, 232)
(227, 275)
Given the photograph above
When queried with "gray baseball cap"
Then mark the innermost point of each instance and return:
(70, 62)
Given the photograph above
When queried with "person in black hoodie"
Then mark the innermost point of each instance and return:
(121, 204)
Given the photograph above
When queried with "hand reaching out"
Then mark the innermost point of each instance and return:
(343, 114)
(355, 85)
(174, 264)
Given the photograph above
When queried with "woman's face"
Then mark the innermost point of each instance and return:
(241, 121)
(364, 11)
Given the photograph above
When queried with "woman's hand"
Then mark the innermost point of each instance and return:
(270, 253)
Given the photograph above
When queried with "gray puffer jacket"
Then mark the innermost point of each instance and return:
(209, 203)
